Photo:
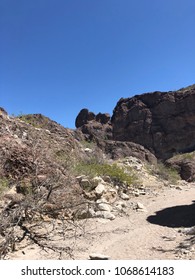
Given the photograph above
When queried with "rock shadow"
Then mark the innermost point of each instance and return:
(176, 216)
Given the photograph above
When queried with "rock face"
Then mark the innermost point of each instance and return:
(119, 149)
(98, 128)
(163, 122)
(94, 126)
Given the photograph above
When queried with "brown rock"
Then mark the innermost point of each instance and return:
(184, 166)
(84, 117)
(102, 118)
(119, 149)
(163, 122)
(93, 126)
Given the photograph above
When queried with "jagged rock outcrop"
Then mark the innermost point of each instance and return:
(94, 126)
(84, 117)
(163, 122)
(99, 129)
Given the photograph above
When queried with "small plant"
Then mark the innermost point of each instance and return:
(116, 173)
(4, 183)
(189, 156)
(88, 144)
(29, 120)
(165, 173)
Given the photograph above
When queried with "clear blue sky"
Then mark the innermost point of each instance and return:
(59, 56)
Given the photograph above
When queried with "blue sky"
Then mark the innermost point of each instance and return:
(59, 56)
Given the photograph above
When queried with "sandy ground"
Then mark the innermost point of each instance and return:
(151, 234)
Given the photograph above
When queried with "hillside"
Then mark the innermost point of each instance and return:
(56, 184)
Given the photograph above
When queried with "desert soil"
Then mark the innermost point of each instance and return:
(136, 235)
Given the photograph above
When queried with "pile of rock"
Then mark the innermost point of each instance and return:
(104, 198)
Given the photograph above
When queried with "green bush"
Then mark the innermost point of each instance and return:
(116, 173)
(166, 173)
(189, 156)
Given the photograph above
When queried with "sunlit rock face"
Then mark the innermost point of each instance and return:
(163, 122)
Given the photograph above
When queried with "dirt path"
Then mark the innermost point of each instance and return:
(144, 235)
(138, 235)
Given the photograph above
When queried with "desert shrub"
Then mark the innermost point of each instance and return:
(116, 173)
(165, 173)
(189, 156)
(88, 144)
(4, 184)
(29, 120)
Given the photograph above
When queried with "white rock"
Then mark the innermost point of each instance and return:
(105, 215)
(104, 207)
(102, 200)
(88, 150)
(136, 193)
(79, 178)
(100, 189)
(142, 192)
(140, 206)
(24, 135)
(124, 196)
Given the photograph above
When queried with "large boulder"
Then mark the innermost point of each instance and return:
(84, 117)
(163, 122)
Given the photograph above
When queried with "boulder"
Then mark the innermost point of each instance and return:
(103, 205)
(84, 117)
(100, 189)
(124, 196)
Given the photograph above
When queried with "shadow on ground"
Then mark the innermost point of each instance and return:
(176, 216)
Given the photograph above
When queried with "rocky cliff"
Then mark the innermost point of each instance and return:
(163, 122)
